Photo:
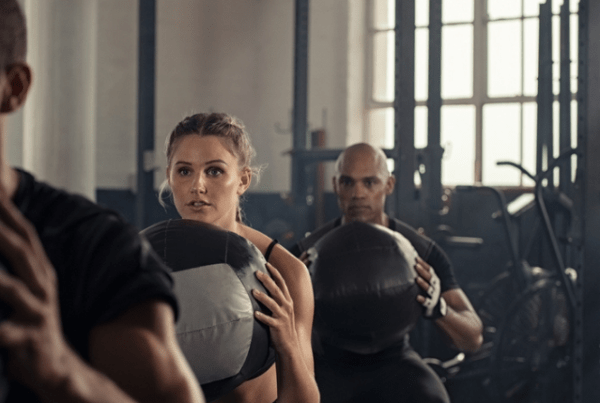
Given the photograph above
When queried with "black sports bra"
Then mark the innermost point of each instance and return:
(270, 249)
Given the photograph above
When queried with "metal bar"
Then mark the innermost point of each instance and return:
(550, 233)
(403, 153)
(318, 141)
(300, 114)
(587, 217)
(434, 150)
(544, 97)
(146, 93)
(561, 218)
(479, 82)
(565, 96)
(471, 101)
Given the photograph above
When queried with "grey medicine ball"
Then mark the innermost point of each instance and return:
(214, 274)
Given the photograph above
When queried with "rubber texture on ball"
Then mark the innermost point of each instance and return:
(364, 284)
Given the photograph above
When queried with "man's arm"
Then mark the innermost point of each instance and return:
(458, 321)
(139, 343)
(139, 351)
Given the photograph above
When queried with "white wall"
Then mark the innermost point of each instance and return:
(234, 56)
(228, 56)
(117, 74)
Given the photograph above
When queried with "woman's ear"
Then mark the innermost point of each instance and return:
(16, 87)
(245, 180)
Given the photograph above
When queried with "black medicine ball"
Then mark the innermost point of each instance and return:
(364, 284)
(214, 274)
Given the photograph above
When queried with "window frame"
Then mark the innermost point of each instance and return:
(480, 96)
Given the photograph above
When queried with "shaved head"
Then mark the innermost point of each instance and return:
(362, 182)
(362, 152)
(13, 34)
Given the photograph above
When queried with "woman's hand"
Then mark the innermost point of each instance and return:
(281, 321)
(295, 382)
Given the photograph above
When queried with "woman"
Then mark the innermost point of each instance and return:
(209, 160)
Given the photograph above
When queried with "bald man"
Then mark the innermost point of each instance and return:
(362, 182)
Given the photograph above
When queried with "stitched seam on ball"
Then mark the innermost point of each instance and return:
(216, 325)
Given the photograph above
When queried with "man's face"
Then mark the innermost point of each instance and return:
(361, 187)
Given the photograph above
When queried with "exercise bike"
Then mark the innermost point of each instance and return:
(527, 312)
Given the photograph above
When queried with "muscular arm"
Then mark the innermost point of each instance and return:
(40, 357)
(461, 324)
(133, 359)
(140, 353)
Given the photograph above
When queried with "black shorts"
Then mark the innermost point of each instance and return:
(397, 374)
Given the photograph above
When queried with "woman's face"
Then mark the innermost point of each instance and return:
(206, 180)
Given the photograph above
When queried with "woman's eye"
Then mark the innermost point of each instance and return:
(214, 171)
(184, 171)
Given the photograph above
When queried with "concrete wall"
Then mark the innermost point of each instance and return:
(227, 55)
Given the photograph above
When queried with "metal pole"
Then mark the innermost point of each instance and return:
(544, 96)
(146, 92)
(565, 96)
(404, 113)
(434, 103)
(300, 114)
(586, 370)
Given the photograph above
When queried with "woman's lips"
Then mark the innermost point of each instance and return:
(198, 204)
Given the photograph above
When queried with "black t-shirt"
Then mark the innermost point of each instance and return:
(427, 249)
(103, 265)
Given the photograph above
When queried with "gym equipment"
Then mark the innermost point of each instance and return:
(529, 343)
(214, 272)
(363, 277)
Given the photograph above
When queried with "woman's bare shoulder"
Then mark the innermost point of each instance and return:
(279, 255)
(260, 240)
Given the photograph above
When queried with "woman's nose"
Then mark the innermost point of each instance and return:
(198, 186)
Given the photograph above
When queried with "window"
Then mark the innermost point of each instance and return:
(488, 84)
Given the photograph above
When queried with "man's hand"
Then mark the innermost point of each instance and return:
(38, 355)
(434, 304)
